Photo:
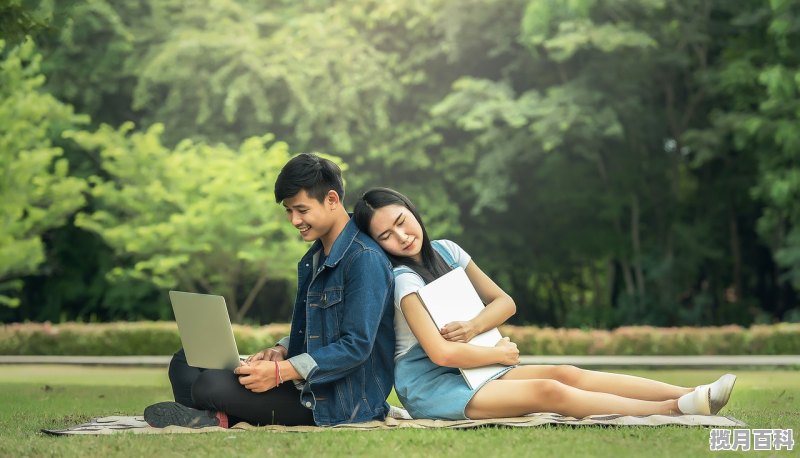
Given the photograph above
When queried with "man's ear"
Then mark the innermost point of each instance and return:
(332, 199)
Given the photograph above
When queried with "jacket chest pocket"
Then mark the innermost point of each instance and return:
(329, 298)
(329, 314)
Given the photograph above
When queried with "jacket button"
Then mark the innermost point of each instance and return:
(308, 404)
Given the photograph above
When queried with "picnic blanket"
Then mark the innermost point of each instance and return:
(137, 425)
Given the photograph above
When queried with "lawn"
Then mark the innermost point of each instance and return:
(35, 397)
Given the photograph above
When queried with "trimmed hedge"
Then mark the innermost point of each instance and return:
(161, 338)
(118, 339)
(777, 339)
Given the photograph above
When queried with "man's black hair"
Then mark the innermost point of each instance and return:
(311, 173)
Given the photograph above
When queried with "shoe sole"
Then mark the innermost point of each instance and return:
(166, 414)
(729, 380)
(708, 404)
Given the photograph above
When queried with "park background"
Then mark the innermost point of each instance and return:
(608, 162)
(628, 170)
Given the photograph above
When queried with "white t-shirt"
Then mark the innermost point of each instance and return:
(409, 282)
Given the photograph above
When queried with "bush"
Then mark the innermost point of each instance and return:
(778, 339)
(119, 339)
(161, 338)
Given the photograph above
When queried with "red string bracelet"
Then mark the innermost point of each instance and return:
(277, 374)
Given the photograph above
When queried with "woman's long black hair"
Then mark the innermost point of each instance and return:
(432, 266)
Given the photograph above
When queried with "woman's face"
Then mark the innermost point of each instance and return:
(397, 231)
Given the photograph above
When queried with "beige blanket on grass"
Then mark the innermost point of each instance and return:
(137, 425)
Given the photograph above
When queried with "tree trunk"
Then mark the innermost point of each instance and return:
(611, 280)
(233, 305)
(637, 245)
(597, 287)
(598, 294)
(560, 305)
(186, 281)
(737, 256)
(251, 297)
(626, 274)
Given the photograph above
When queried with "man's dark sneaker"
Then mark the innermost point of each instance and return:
(171, 413)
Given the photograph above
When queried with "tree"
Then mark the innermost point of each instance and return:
(754, 85)
(21, 18)
(89, 56)
(609, 161)
(580, 139)
(36, 191)
(230, 68)
(197, 217)
(601, 126)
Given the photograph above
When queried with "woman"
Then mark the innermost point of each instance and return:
(427, 359)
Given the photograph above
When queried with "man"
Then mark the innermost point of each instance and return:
(337, 364)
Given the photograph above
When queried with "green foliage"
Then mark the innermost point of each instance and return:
(36, 193)
(609, 162)
(580, 125)
(756, 84)
(20, 18)
(93, 47)
(563, 28)
(232, 65)
(198, 217)
(775, 135)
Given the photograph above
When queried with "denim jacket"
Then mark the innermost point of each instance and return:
(342, 334)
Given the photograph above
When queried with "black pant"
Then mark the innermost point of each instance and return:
(220, 391)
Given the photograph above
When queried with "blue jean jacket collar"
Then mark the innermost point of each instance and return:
(340, 246)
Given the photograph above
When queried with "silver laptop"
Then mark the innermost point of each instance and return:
(205, 330)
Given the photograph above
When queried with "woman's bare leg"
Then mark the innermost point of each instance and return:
(628, 386)
(511, 398)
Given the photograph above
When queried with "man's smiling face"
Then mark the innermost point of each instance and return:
(314, 219)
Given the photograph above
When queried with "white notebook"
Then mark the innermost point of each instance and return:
(452, 297)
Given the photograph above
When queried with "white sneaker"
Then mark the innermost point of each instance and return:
(398, 413)
(721, 392)
(698, 402)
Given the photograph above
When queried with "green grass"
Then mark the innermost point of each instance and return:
(35, 397)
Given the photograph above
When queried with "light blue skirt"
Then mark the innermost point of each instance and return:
(428, 390)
